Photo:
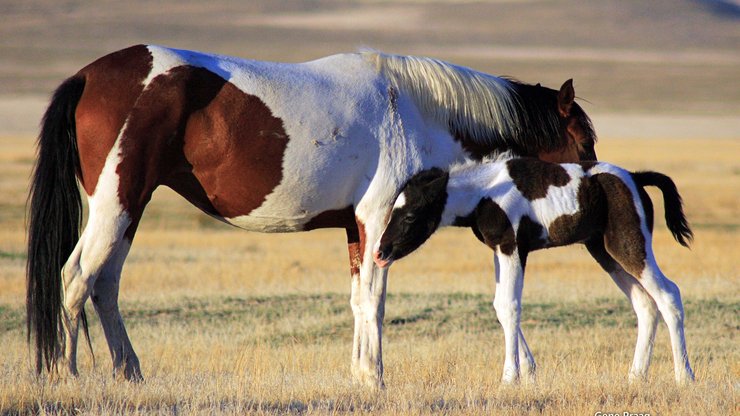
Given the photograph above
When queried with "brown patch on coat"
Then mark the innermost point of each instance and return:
(623, 236)
(596, 247)
(218, 147)
(342, 218)
(355, 262)
(529, 237)
(493, 227)
(112, 85)
(590, 218)
(353, 248)
(236, 147)
(333, 218)
(647, 206)
(532, 177)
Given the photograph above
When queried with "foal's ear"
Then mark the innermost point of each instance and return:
(438, 185)
(566, 95)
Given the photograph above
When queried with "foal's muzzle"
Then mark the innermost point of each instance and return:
(382, 257)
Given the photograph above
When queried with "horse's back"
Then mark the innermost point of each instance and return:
(268, 146)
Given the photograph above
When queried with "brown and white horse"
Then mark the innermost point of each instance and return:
(263, 146)
(521, 205)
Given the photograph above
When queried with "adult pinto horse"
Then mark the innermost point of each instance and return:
(263, 146)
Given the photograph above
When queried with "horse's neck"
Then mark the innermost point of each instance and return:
(466, 187)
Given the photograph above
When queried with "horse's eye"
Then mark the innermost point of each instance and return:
(410, 217)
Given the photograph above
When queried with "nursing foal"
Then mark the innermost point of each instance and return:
(520, 205)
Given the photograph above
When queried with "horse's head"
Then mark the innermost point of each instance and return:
(415, 216)
(576, 132)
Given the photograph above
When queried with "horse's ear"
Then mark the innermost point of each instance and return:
(566, 95)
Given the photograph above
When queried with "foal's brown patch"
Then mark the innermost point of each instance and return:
(112, 85)
(529, 237)
(623, 237)
(590, 218)
(532, 177)
(492, 225)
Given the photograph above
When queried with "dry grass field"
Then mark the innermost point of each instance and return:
(230, 322)
(226, 321)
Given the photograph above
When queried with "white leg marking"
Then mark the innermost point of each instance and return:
(357, 313)
(647, 321)
(106, 225)
(368, 306)
(668, 299)
(507, 302)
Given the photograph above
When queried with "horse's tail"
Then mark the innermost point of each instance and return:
(54, 222)
(674, 216)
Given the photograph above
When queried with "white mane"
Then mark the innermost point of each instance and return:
(482, 106)
(493, 158)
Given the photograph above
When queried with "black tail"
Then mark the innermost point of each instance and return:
(674, 216)
(54, 221)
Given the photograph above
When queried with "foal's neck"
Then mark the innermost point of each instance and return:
(467, 186)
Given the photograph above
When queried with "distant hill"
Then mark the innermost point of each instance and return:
(657, 56)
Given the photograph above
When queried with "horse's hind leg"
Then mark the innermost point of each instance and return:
(642, 304)
(98, 243)
(105, 300)
(95, 264)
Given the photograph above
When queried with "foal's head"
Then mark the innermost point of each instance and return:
(414, 217)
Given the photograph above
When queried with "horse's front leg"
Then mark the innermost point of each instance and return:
(368, 306)
(507, 302)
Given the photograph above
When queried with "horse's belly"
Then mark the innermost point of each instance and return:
(267, 224)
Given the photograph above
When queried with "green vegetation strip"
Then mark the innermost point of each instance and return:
(12, 256)
(326, 317)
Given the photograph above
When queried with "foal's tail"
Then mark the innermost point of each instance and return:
(54, 222)
(674, 216)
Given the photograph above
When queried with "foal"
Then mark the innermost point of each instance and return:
(520, 205)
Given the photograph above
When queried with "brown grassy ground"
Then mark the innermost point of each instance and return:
(233, 322)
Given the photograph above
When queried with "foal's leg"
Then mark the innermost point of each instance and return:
(507, 302)
(642, 304)
(105, 300)
(668, 298)
(528, 368)
(666, 295)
